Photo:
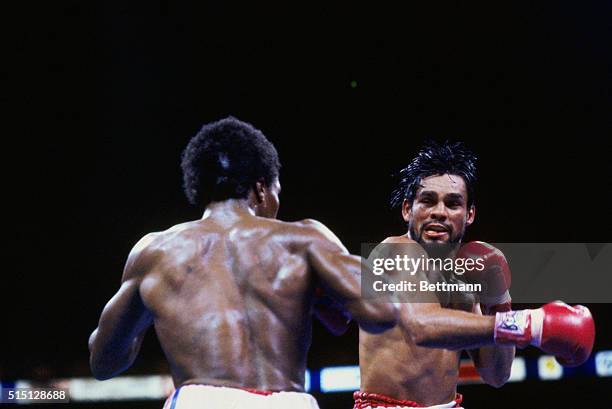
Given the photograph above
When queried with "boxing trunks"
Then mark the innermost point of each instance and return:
(365, 400)
(220, 397)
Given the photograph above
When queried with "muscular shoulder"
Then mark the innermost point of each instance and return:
(142, 256)
(302, 234)
(311, 226)
(399, 245)
(158, 248)
(318, 232)
(398, 240)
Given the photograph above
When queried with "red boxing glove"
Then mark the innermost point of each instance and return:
(495, 275)
(556, 328)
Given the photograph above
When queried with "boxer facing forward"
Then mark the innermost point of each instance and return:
(231, 295)
(399, 368)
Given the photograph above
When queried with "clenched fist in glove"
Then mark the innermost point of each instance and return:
(495, 276)
(556, 328)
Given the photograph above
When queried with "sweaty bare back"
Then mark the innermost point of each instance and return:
(231, 300)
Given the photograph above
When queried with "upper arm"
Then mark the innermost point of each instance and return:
(125, 318)
(340, 274)
(336, 269)
(474, 353)
(128, 301)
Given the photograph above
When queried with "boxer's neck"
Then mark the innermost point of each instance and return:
(228, 209)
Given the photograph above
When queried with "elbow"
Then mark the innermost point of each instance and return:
(97, 370)
(497, 381)
(419, 332)
(101, 376)
(103, 370)
(380, 317)
(424, 339)
(103, 365)
(423, 333)
(495, 377)
(498, 374)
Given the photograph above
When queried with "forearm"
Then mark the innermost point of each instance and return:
(105, 360)
(114, 345)
(494, 363)
(342, 279)
(373, 316)
(432, 326)
(110, 359)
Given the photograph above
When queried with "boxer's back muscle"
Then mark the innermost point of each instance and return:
(231, 302)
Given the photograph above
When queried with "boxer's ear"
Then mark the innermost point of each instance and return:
(471, 215)
(406, 210)
(260, 191)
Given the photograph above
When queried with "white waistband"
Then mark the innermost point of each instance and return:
(213, 397)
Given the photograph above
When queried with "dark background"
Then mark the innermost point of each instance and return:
(108, 95)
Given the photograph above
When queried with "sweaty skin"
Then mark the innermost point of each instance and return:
(407, 367)
(231, 299)
(395, 365)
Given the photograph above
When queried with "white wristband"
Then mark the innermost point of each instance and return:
(537, 321)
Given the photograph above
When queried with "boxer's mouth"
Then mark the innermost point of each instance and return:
(436, 231)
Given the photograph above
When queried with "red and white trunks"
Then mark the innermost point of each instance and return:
(365, 400)
(220, 397)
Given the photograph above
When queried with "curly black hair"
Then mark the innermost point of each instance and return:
(436, 159)
(225, 159)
